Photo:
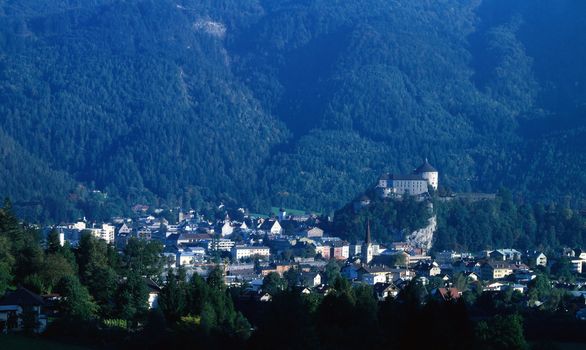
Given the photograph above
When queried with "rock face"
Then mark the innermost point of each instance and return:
(423, 238)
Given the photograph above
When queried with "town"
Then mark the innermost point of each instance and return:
(254, 252)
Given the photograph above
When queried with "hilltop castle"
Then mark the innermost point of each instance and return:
(414, 184)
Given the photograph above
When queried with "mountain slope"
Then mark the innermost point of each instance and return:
(295, 103)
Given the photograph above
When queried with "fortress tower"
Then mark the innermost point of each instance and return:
(429, 173)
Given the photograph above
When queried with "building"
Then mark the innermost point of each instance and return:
(384, 290)
(495, 270)
(17, 306)
(310, 279)
(413, 184)
(367, 248)
(314, 232)
(105, 232)
(339, 250)
(577, 265)
(242, 252)
(271, 226)
(505, 254)
(537, 259)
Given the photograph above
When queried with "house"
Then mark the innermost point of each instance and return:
(495, 270)
(226, 228)
(537, 259)
(339, 250)
(374, 274)
(447, 257)
(311, 279)
(124, 229)
(271, 226)
(471, 276)
(428, 269)
(373, 278)
(505, 254)
(145, 233)
(314, 232)
(154, 291)
(19, 306)
(494, 287)
(323, 250)
(384, 290)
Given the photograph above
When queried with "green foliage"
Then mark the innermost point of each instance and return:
(273, 283)
(502, 332)
(296, 104)
(389, 219)
(332, 272)
(202, 306)
(132, 299)
(144, 257)
(77, 304)
(501, 223)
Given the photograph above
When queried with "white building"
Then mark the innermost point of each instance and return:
(241, 252)
(373, 278)
(222, 244)
(106, 232)
(413, 184)
(271, 226)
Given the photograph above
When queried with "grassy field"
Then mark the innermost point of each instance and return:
(17, 342)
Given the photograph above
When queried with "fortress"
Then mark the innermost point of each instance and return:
(414, 184)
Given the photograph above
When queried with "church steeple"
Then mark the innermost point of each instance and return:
(367, 237)
(367, 252)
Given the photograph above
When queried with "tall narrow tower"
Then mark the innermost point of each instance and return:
(367, 250)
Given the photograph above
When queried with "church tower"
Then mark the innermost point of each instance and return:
(367, 249)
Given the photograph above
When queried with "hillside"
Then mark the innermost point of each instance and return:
(288, 103)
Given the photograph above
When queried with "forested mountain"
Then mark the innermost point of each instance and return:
(293, 103)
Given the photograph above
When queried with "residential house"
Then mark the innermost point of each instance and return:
(314, 232)
(383, 290)
(310, 279)
(495, 270)
(505, 254)
(154, 290)
(323, 250)
(271, 226)
(374, 274)
(18, 306)
(428, 269)
(537, 259)
(339, 250)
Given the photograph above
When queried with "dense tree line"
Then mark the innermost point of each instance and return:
(95, 281)
(504, 222)
(295, 104)
(389, 219)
